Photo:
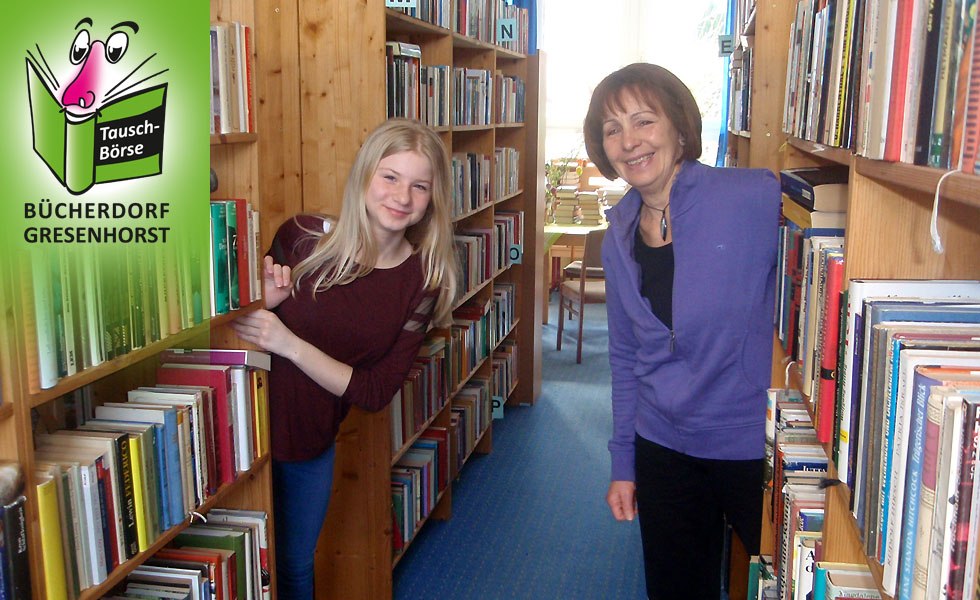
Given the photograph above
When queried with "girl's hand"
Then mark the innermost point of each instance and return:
(265, 330)
(277, 282)
(621, 498)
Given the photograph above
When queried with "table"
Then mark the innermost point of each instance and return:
(562, 245)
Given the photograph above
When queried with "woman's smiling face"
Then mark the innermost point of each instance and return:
(642, 144)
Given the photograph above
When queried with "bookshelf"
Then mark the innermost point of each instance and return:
(343, 73)
(887, 232)
(236, 158)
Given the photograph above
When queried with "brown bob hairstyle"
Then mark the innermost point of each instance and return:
(656, 87)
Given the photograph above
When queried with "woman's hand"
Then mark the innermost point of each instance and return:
(621, 498)
(265, 330)
(277, 282)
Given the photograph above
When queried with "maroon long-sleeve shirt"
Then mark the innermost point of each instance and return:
(375, 324)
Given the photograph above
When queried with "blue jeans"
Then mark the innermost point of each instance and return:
(301, 493)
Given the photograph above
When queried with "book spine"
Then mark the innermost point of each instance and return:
(18, 567)
(80, 155)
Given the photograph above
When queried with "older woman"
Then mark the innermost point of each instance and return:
(690, 261)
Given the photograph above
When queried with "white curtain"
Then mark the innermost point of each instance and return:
(587, 39)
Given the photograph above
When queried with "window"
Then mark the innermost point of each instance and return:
(584, 40)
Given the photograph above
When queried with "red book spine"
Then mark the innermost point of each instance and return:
(900, 75)
(224, 435)
(971, 117)
(827, 389)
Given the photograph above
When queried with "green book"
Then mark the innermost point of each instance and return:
(231, 219)
(219, 258)
(228, 537)
(121, 140)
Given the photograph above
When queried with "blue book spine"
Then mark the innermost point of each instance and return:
(176, 488)
(888, 434)
(163, 486)
(913, 485)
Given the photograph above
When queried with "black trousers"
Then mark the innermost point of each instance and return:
(683, 504)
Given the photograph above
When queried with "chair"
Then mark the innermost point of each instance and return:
(576, 291)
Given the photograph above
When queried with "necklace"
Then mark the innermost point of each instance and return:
(663, 218)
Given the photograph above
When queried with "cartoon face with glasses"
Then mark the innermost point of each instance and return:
(89, 89)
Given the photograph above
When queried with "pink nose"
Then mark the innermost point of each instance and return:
(81, 91)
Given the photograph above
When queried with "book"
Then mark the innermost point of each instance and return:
(102, 143)
(220, 282)
(227, 537)
(16, 564)
(850, 584)
(224, 434)
(258, 522)
(845, 447)
(49, 522)
(817, 188)
(806, 218)
(218, 356)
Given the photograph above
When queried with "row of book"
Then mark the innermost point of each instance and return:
(471, 182)
(795, 469)
(232, 106)
(740, 90)
(811, 263)
(894, 80)
(423, 393)
(235, 274)
(479, 19)
(897, 405)
(89, 304)
(418, 479)
(444, 361)
(483, 252)
(506, 172)
(134, 469)
(440, 94)
(820, 580)
(913, 426)
(225, 557)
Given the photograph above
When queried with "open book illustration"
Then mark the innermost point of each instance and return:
(92, 130)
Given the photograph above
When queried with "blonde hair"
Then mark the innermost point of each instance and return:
(349, 250)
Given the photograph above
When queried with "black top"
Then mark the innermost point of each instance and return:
(656, 277)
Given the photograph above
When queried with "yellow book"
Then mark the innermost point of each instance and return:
(139, 502)
(49, 517)
(261, 408)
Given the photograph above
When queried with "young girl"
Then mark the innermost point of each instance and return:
(348, 307)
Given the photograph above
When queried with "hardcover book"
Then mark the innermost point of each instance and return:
(123, 139)
(817, 188)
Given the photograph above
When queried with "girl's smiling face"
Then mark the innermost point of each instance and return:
(399, 193)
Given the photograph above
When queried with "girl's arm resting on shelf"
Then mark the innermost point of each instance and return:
(373, 387)
(264, 329)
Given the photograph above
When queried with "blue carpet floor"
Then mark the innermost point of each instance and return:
(530, 519)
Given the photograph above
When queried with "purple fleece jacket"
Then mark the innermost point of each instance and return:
(699, 389)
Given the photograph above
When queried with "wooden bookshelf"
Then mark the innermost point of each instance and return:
(243, 171)
(890, 206)
(354, 556)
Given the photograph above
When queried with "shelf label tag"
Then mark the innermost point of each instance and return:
(506, 30)
(497, 402)
(516, 254)
(726, 44)
(401, 3)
